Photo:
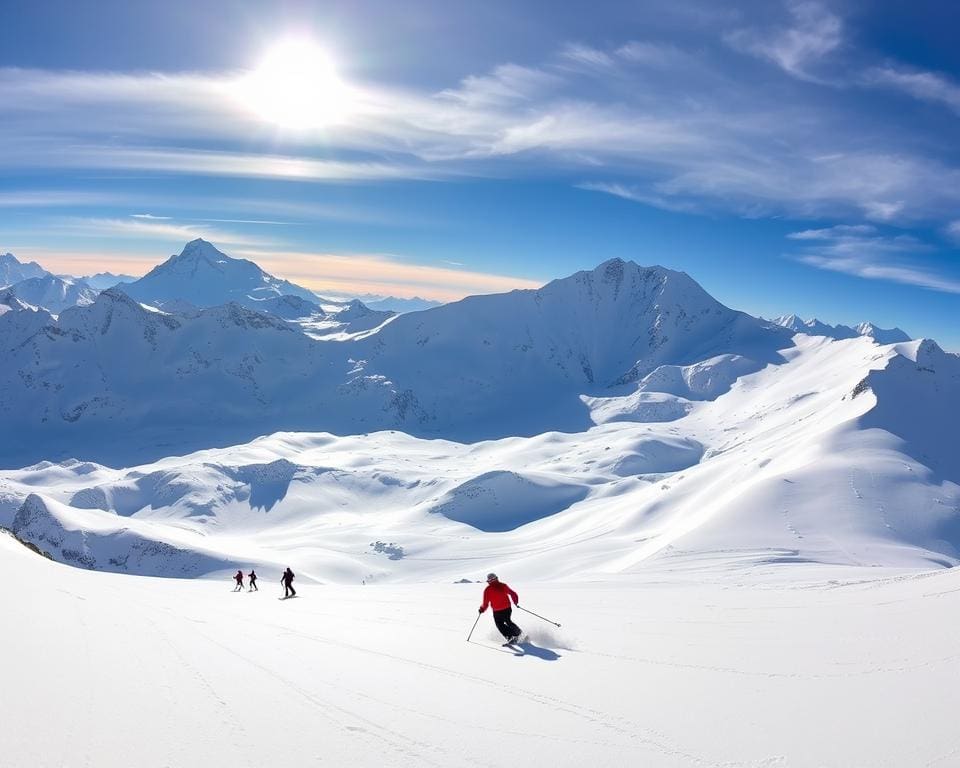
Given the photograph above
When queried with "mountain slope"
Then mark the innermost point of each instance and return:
(207, 277)
(796, 463)
(524, 358)
(53, 293)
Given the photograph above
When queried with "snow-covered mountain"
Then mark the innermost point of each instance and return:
(9, 301)
(52, 293)
(117, 375)
(290, 308)
(103, 280)
(840, 456)
(13, 271)
(521, 362)
(399, 305)
(815, 327)
(627, 417)
(207, 277)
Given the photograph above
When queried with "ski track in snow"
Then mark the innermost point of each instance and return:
(604, 720)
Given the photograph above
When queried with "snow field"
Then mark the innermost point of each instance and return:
(684, 667)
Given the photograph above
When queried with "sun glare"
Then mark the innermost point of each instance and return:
(295, 86)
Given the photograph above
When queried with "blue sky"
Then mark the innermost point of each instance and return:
(790, 156)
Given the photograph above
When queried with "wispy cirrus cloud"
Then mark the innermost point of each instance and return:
(718, 143)
(863, 251)
(814, 32)
(585, 55)
(160, 159)
(921, 84)
(51, 198)
(154, 228)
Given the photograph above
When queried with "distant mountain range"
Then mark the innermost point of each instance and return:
(103, 280)
(814, 327)
(619, 413)
(620, 342)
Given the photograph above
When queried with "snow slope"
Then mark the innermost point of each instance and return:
(835, 667)
(799, 462)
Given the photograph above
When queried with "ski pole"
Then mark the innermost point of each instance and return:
(539, 616)
(473, 627)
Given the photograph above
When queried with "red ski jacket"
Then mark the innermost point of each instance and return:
(497, 595)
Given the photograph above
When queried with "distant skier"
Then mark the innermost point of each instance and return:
(253, 581)
(287, 581)
(497, 595)
(239, 579)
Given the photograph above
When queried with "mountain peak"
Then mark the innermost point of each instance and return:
(202, 249)
(12, 270)
(205, 276)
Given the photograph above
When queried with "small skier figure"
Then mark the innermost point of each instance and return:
(497, 595)
(287, 581)
(253, 581)
(239, 579)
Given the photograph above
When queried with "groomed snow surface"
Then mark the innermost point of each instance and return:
(833, 667)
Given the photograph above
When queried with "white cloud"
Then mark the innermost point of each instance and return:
(585, 55)
(506, 84)
(717, 144)
(651, 53)
(155, 229)
(926, 86)
(55, 198)
(860, 250)
(641, 195)
(833, 233)
(814, 33)
(206, 162)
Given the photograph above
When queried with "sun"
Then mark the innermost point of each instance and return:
(295, 86)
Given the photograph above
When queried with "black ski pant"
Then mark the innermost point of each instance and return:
(507, 628)
(253, 586)
(288, 590)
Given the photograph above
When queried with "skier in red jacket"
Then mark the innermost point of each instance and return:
(497, 595)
